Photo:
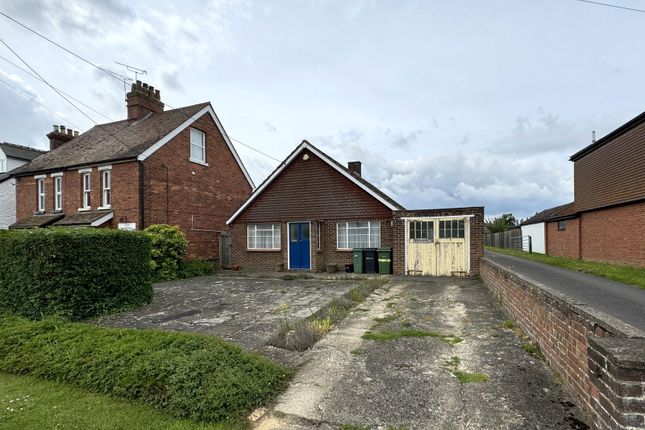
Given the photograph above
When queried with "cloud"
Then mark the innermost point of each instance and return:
(270, 127)
(402, 140)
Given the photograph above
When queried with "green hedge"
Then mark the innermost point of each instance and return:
(169, 245)
(75, 273)
(190, 376)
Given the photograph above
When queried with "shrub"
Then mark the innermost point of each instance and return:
(192, 268)
(190, 376)
(169, 246)
(75, 273)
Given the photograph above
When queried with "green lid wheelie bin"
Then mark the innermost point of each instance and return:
(357, 256)
(385, 261)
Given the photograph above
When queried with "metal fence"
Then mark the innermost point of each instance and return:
(510, 239)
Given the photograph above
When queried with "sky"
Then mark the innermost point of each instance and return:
(446, 103)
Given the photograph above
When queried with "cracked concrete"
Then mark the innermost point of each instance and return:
(407, 382)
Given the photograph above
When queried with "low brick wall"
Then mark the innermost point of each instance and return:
(600, 359)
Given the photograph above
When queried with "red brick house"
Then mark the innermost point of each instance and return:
(157, 167)
(312, 211)
(606, 221)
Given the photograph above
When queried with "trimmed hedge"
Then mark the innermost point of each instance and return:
(75, 273)
(190, 376)
(169, 245)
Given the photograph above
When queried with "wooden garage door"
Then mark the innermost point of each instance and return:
(437, 246)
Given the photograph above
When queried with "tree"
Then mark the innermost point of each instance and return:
(500, 223)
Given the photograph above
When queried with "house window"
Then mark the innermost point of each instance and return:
(106, 177)
(263, 236)
(41, 195)
(86, 190)
(562, 225)
(453, 229)
(358, 234)
(422, 231)
(197, 146)
(58, 193)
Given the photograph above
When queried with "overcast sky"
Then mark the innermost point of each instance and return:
(446, 103)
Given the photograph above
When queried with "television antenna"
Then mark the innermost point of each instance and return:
(134, 70)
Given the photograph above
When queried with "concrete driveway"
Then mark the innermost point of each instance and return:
(465, 371)
(243, 310)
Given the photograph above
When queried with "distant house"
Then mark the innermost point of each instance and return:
(11, 157)
(606, 221)
(311, 212)
(535, 228)
(158, 166)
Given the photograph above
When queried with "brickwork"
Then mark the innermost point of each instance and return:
(609, 387)
(563, 243)
(476, 234)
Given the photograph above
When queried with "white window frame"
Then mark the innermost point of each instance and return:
(40, 183)
(198, 133)
(319, 236)
(370, 226)
(106, 191)
(3, 162)
(86, 187)
(58, 192)
(251, 235)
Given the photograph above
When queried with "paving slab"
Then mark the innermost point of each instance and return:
(411, 382)
(243, 310)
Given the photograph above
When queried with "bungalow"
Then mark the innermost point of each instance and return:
(156, 167)
(311, 212)
(535, 229)
(11, 157)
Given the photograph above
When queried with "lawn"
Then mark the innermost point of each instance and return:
(625, 274)
(30, 403)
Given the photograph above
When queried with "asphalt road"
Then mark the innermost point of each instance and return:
(622, 301)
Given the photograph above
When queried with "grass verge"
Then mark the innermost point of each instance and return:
(198, 377)
(301, 335)
(30, 403)
(626, 274)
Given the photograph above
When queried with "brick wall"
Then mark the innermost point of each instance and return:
(563, 243)
(601, 368)
(476, 234)
(614, 235)
(197, 198)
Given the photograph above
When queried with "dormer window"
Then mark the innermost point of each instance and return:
(197, 146)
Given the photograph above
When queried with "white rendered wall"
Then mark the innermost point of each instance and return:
(7, 203)
(536, 231)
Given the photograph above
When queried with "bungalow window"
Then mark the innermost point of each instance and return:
(197, 146)
(422, 231)
(453, 229)
(562, 225)
(106, 176)
(41, 194)
(58, 193)
(358, 234)
(263, 236)
(86, 191)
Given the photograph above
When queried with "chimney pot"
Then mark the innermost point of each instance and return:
(157, 95)
(355, 167)
(70, 132)
(56, 128)
(76, 133)
(142, 100)
(60, 136)
(62, 129)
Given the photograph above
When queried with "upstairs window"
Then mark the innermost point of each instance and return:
(106, 178)
(263, 236)
(197, 146)
(422, 231)
(58, 193)
(562, 225)
(41, 194)
(86, 190)
(358, 234)
(453, 229)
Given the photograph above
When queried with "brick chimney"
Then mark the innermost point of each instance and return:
(60, 135)
(143, 99)
(354, 167)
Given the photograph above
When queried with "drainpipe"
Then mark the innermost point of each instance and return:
(142, 193)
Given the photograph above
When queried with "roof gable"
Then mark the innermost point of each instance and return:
(361, 183)
(609, 137)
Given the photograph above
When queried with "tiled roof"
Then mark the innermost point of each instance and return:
(120, 140)
(83, 219)
(36, 221)
(11, 150)
(551, 213)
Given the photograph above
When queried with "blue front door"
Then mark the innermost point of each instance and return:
(299, 246)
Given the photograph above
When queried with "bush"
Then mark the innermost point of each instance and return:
(190, 376)
(169, 246)
(192, 268)
(75, 273)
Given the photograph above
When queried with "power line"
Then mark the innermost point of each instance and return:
(613, 5)
(114, 75)
(36, 77)
(26, 95)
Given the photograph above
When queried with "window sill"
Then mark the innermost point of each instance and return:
(264, 250)
(87, 209)
(104, 208)
(192, 160)
(345, 249)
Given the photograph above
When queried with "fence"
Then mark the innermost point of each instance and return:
(511, 239)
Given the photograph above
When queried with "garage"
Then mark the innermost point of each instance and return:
(437, 246)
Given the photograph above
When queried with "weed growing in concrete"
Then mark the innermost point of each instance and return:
(468, 378)
(454, 362)
(407, 332)
(447, 338)
(357, 351)
(509, 324)
(322, 326)
(385, 319)
(397, 428)
(531, 348)
(282, 308)
(390, 305)
(294, 276)
(353, 427)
